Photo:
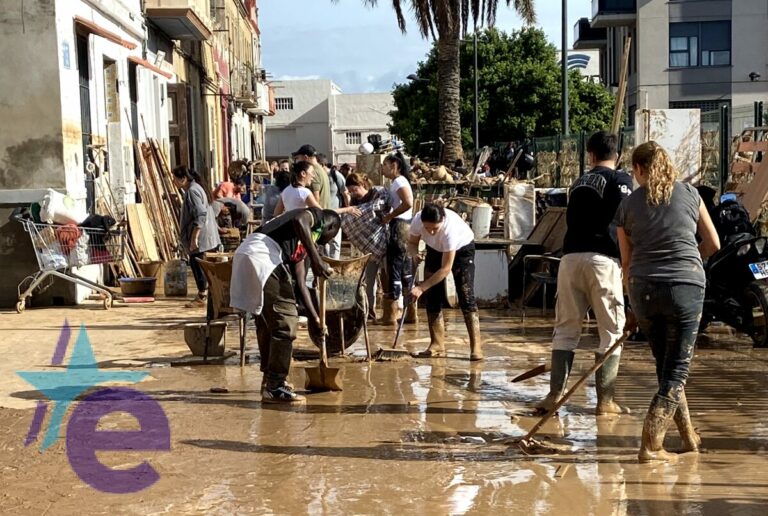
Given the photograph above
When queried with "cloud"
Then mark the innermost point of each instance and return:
(361, 49)
(298, 78)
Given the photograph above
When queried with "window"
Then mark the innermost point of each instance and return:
(704, 105)
(355, 138)
(699, 44)
(283, 103)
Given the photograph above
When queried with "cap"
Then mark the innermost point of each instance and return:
(305, 150)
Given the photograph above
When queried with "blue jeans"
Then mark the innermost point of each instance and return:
(669, 315)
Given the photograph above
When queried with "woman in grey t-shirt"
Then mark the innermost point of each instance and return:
(662, 263)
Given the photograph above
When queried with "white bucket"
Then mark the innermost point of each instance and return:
(481, 220)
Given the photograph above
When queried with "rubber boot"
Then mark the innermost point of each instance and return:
(659, 416)
(411, 314)
(605, 386)
(472, 320)
(389, 316)
(436, 347)
(562, 361)
(691, 439)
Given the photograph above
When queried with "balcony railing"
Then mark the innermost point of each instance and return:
(584, 36)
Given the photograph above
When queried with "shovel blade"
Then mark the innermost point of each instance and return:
(536, 371)
(322, 378)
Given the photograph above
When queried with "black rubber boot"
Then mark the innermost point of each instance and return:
(562, 361)
(605, 386)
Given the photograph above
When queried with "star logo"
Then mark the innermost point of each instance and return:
(62, 388)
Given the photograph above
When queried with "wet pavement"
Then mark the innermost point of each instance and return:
(414, 436)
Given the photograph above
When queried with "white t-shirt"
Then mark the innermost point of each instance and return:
(453, 234)
(395, 201)
(295, 198)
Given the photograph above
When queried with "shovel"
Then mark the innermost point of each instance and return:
(323, 378)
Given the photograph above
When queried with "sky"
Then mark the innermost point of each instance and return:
(361, 48)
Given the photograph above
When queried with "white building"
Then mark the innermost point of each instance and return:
(318, 113)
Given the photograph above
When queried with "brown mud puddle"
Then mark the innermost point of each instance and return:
(414, 436)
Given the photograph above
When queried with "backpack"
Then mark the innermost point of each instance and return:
(340, 186)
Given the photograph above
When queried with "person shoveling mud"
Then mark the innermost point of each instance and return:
(662, 262)
(267, 269)
(450, 250)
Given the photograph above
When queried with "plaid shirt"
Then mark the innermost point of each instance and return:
(366, 232)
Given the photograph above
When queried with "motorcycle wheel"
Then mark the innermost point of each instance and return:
(756, 306)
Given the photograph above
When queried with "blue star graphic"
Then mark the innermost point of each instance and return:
(63, 387)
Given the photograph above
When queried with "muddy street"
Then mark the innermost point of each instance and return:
(409, 436)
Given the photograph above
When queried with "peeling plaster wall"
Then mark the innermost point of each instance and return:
(30, 106)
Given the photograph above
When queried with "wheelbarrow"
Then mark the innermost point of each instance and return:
(346, 305)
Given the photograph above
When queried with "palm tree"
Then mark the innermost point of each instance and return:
(446, 21)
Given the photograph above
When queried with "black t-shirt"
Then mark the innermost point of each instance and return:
(281, 230)
(593, 201)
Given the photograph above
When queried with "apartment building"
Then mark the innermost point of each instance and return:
(318, 112)
(684, 53)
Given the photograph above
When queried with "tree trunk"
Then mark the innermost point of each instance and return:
(448, 88)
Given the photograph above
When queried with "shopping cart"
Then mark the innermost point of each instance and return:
(59, 248)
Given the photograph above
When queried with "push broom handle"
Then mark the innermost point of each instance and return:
(561, 402)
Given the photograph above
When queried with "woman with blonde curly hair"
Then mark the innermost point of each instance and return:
(663, 268)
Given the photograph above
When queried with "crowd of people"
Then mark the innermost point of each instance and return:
(624, 247)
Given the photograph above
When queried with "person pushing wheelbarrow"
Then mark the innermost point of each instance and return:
(268, 270)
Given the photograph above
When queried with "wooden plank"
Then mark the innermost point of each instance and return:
(619, 107)
(142, 233)
(753, 146)
(755, 193)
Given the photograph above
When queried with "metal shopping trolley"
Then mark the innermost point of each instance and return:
(59, 248)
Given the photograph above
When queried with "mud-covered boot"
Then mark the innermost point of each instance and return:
(472, 320)
(691, 439)
(605, 386)
(436, 347)
(389, 316)
(562, 361)
(411, 314)
(659, 416)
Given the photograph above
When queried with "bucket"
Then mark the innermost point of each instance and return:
(175, 281)
(481, 220)
(194, 336)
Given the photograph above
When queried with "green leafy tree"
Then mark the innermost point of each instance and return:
(519, 85)
(445, 21)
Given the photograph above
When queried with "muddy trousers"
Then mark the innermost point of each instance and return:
(668, 314)
(463, 271)
(276, 327)
(399, 271)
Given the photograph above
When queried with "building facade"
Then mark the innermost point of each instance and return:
(684, 53)
(319, 113)
(82, 80)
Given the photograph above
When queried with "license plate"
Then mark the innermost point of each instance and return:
(759, 270)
